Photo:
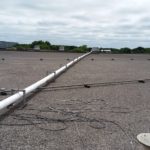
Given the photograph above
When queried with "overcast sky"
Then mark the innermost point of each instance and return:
(105, 23)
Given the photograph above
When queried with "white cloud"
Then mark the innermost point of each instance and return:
(109, 23)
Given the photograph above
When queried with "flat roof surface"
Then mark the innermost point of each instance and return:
(100, 117)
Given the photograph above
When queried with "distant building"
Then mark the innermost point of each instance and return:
(106, 51)
(6, 45)
(61, 48)
(37, 47)
(95, 50)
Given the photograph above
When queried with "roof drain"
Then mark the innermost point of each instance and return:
(19, 97)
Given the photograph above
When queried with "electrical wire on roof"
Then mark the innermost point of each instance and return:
(89, 85)
(41, 122)
(69, 87)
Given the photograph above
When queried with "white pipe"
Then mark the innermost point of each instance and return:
(18, 97)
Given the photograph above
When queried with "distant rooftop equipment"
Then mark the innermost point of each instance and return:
(95, 50)
(62, 48)
(37, 47)
(106, 51)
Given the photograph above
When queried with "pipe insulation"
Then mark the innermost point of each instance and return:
(28, 91)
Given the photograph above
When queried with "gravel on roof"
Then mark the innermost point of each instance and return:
(85, 118)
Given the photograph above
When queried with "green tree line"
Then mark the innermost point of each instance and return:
(46, 45)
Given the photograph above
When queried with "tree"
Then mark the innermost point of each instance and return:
(125, 50)
(115, 50)
(81, 49)
(42, 44)
(138, 50)
(147, 50)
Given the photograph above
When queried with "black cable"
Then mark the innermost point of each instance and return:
(69, 87)
(71, 117)
(38, 120)
(88, 85)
